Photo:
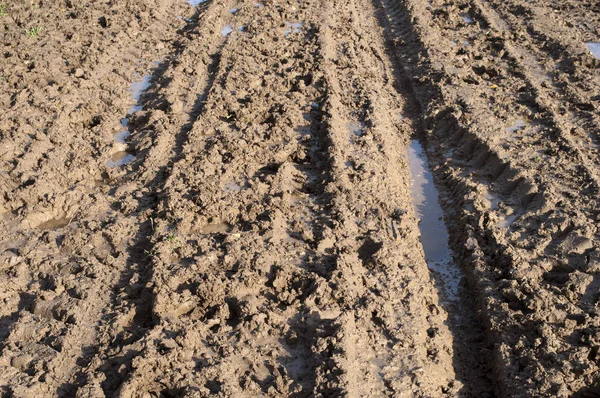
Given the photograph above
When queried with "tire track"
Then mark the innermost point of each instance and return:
(470, 358)
(530, 65)
(234, 190)
(165, 124)
(365, 203)
(242, 244)
(553, 52)
(503, 264)
(262, 242)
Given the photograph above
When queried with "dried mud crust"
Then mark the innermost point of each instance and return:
(262, 241)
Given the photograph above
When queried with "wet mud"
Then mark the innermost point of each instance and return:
(299, 198)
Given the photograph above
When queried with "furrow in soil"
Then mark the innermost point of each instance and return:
(520, 259)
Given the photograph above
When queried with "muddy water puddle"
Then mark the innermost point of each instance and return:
(434, 235)
(137, 89)
(519, 125)
(594, 48)
(216, 228)
(293, 27)
(505, 214)
(194, 3)
(356, 129)
(466, 17)
(121, 157)
(54, 223)
(226, 30)
(121, 136)
(232, 187)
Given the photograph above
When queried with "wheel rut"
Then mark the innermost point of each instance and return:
(491, 199)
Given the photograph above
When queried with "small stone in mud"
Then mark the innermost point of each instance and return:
(79, 72)
(103, 21)
(54, 223)
(176, 107)
(216, 228)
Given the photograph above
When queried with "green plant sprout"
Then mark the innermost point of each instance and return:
(34, 31)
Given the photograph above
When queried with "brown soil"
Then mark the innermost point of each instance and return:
(263, 241)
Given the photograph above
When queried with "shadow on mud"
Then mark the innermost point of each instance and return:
(306, 365)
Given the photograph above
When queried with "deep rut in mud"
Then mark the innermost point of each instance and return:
(302, 198)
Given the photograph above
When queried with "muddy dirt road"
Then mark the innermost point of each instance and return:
(300, 198)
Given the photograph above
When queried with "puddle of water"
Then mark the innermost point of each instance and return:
(355, 128)
(231, 187)
(233, 10)
(293, 27)
(217, 228)
(505, 221)
(519, 125)
(494, 201)
(121, 136)
(54, 223)
(434, 235)
(194, 3)
(226, 31)
(120, 158)
(594, 48)
(466, 17)
(137, 89)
